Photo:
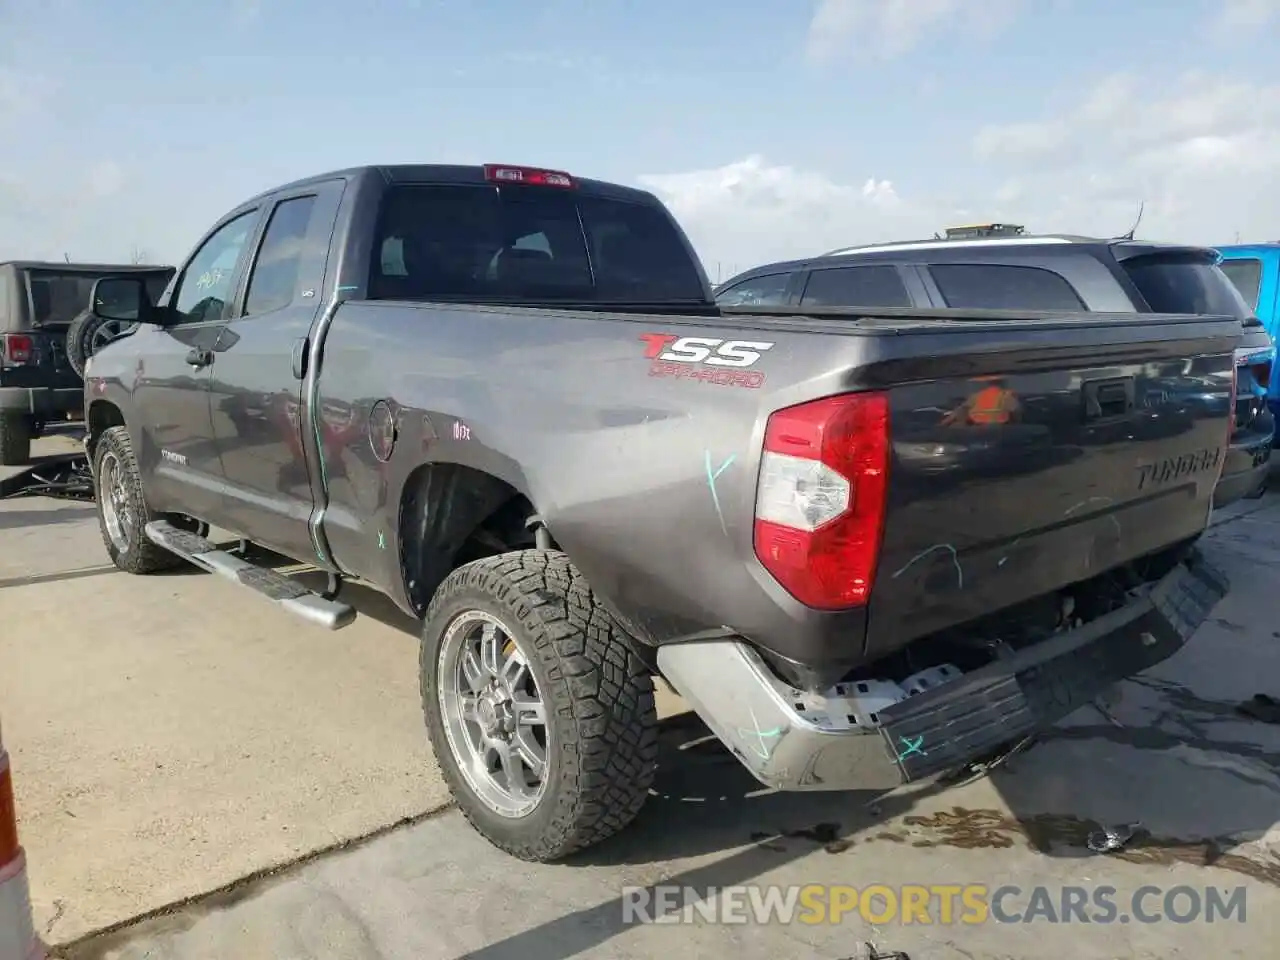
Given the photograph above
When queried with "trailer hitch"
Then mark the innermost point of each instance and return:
(66, 476)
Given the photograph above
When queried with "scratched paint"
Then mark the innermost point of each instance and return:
(765, 741)
(712, 476)
(955, 560)
(912, 747)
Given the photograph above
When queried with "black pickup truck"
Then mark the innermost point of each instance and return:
(867, 547)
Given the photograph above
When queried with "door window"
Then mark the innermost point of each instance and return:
(989, 286)
(767, 291)
(206, 284)
(869, 286)
(275, 272)
(1246, 274)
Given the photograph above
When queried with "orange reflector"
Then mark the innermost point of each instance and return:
(9, 848)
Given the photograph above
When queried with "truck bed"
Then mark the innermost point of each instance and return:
(646, 470)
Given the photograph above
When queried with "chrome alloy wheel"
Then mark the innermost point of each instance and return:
(493, 713)
(113, 500)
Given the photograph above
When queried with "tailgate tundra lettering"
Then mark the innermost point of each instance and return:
(704, 358)
(1176, 468)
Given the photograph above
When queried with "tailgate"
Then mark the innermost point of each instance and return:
(1021, 470)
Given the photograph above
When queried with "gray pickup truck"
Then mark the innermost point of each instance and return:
(867, 547)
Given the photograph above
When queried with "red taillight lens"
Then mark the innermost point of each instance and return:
(17, 348)
(820, 500)
(527, 175)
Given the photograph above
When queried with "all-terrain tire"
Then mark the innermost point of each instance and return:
(597, 693)
(15, 439)
(141, 555)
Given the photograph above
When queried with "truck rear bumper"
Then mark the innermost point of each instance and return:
(41, 401)
(790, 742)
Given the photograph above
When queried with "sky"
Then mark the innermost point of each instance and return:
(771, 128)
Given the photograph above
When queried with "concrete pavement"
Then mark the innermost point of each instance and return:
(196, 736)
(171, 734)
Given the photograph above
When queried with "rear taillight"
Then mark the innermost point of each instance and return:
(820, 500)
(16, 348)
(532, 176)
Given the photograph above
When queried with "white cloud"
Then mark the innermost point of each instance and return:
(1202, 153)
(1234, 15)
(892, 27)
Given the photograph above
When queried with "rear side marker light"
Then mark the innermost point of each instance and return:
(820, 498)
(531, 176)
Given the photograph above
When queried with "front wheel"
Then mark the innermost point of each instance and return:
(540, 714)
(122, 510)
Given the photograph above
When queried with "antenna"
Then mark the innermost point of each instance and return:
(1142, 205)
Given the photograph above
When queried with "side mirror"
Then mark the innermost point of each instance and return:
(123, 298)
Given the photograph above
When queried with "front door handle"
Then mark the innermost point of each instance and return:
(199, 357)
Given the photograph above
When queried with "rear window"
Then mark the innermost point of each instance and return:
(879, 286)
(57, 297)
(514, 243)
(1246, 276)
(1186, 285)
(986, 286)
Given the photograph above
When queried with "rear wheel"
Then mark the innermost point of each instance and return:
(541, 716)
(15, 439)
(123, 513)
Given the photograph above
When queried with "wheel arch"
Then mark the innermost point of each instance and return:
(101, 416)
(450, 514)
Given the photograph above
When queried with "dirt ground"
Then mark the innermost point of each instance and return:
(172, 736)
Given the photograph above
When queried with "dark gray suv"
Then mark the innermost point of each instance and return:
(1060, 272)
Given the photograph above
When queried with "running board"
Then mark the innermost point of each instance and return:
(288, 593)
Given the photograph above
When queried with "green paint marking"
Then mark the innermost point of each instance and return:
(382, 540)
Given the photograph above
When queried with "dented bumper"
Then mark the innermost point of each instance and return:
(790, 740)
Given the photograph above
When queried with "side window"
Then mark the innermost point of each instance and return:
(870, 286)
(1246, 275)
(275, 271)
(205, 286)
(987, 286)
(5, 295)
(767, 291)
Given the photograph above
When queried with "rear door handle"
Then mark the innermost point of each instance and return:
(1107, 398)
(199, 357)
(300, 358)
